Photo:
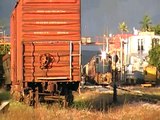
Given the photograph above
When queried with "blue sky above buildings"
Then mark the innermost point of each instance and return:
(103, 16)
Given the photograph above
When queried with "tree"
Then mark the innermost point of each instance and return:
(123, 27)
(146, 23)
(154, 56)
(156, 29)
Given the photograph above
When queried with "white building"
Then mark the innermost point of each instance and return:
(139, 45)
(137, 49)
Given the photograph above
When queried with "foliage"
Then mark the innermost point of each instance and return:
(4, 95)
(4, 49)
(156, 29)
(146, 23)
(123, 27)
(154, 55)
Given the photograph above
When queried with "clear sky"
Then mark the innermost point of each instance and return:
(103, 16)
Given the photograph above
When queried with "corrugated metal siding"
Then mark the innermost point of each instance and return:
(60, 66)
(47, 27)
(49, 1)
(14, 47)
(51, 20)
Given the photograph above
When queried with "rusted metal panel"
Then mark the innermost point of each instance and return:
(41, 21)
(45, 40)
(59, 52)
(49, 1)
(14, 47)
(19, 42)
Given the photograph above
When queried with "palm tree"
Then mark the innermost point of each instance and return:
(146, 23)
(156, 29)
(123, 27)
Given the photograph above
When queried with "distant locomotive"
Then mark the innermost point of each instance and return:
(45, 50)
(99, 71)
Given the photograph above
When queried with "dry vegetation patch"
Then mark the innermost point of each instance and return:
(134, 111)
(90, 105)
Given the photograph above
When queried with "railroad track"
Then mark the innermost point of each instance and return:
(142, 96)
(139, 94)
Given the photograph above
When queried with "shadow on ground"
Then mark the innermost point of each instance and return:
(104, 101)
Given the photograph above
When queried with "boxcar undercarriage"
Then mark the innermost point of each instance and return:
(34, 93)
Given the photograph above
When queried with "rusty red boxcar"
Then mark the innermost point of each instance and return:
(45, 49)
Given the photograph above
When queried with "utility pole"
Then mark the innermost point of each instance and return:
(107, 45)
(115, 60)
(121, 40)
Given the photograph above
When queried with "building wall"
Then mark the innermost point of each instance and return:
(138, 49)
(136, 41)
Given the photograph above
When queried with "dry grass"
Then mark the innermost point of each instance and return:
(134, 111)
(88, 106)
